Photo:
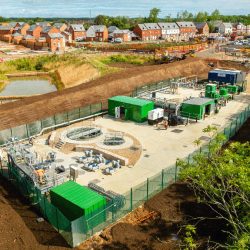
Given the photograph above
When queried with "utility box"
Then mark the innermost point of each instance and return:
(223, 76)
(155, 116)
(197, 108)
(128, 108)
(75, 201)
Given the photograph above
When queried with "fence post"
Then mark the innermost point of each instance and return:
(147, 188)
(175, 174)
(44, 206)
(131, 199)
(162, 179)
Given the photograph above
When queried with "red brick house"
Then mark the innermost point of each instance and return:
(6, 32)
(56, 42)
(22, 29)
(202, 28)
(98, 33)
(17, 38)
(61, 26)
(34, 30)
(142, 32)
(187, 30)
(124, 35)
(77, 31)
(47, 30)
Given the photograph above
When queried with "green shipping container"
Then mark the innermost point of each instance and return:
(129, 108)
(74, 201)
(196, 108)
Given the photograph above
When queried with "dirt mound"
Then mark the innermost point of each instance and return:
(121, 83)
(18, 226)
(72, 75)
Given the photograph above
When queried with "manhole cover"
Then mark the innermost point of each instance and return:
(177, 131)
(204, 138)
(146, 156)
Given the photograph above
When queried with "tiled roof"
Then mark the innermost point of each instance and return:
(77, 27)
(58, 25)
(32, 27)
(56, 35)
(200, 25)
(99, 28)
(28, 37)
(16, 34)
(46, 29)
(111, 29)
(121, 32)
(152, 26)
(90, 32)
(6, 27)
(186, 24)
(168, 26)
(142, 26)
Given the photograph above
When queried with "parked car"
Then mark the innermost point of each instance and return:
(118, 40)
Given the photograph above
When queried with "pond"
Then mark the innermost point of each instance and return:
(28, 86)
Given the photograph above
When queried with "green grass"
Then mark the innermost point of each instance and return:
(130, 59)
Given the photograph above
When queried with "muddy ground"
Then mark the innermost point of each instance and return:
(18, 226)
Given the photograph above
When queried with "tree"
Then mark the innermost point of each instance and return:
(215, 15)
(153, 15)
(228, 190)
(201, 16)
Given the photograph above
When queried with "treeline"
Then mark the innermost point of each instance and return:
(129, 23)
(124, 22)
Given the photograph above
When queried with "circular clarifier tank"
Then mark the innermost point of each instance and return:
(84, 133)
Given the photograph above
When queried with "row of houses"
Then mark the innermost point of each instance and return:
(54, 37)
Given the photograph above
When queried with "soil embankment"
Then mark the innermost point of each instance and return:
(71, 75)
(121, 83)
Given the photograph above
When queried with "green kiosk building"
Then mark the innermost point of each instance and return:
(129, 108)
(197, 108)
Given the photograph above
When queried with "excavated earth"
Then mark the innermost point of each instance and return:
(122, 83)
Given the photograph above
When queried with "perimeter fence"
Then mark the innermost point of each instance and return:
(75, 232)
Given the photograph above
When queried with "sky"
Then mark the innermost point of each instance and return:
(131, 8)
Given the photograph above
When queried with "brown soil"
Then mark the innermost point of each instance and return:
(157, 225)
(18, 226)
(74, 75)
(121, 83)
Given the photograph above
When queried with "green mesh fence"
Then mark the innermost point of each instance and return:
(35, 128)
(79, 230)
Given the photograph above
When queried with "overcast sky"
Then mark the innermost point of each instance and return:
(132, 8)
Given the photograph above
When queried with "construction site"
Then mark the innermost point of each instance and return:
(88, 155)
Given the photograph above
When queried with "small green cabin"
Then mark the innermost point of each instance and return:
(196, 108)
(129, 108)
(74, 200)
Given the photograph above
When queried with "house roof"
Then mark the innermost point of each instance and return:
(16, 34)
(28, 37)
(99, 28)
(186, 24)
(13, 24)
(216, 23)
(111, 29)
(77, 27)
(130, 100)
(198, 101)
(168, 26)
(33, 27)
(66, 33)
(56, 35)
(200, 25)
(121, 32)
(6, 27)
(142, 26)
(58, 25)
(152, 26)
